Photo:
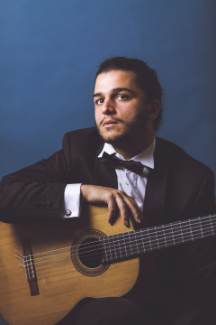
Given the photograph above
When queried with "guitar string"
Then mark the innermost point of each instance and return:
(148, 233)
(186, 224)
(155, 247)
(151, 245)
(132, 247)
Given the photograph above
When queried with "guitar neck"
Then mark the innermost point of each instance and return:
(134, 243)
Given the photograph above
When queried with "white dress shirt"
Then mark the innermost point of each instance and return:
(132, 184)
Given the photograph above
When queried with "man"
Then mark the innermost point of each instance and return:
(170, 186)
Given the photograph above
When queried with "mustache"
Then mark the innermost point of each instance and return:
(113, 119)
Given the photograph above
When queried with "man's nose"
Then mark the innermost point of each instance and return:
(108, 106)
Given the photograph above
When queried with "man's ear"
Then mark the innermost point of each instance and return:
(154, 109)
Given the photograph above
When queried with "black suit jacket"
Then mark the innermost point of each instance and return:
(179, 187)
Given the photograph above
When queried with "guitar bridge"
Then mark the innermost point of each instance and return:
(29, 267)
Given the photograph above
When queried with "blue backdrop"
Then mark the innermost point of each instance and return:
(50, 50)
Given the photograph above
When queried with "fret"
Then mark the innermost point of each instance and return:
(124, 245)
(194, 227)
(120, 252)
(133, 243)
(115, 251)
(200, 224)
(191, 229)
(149, 240)
(164, 236)
(157, 242)
(208, 230)
(110, 250)
(131, 249)
(171, 226)
(117, 239)
(136, 243)
(180, 226)
(143, 246)
(212, 229)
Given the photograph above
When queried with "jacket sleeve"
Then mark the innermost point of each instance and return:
(35, 192)
(195, 262)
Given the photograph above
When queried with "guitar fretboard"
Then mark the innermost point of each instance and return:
(132, 244)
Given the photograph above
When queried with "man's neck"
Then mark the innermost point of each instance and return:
(133, 148)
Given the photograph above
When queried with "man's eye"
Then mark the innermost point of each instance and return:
(122, 97)
(99, 101)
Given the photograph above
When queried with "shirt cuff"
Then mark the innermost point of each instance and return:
(71, 208)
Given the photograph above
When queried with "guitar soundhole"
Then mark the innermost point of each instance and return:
(87, 259)
(91, 253)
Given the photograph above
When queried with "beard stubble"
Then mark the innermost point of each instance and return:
(131, 130)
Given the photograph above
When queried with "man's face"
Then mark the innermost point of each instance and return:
(121, 112)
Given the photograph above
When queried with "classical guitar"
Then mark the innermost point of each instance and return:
(46, 268)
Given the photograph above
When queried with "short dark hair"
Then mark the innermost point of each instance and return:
(146, 79)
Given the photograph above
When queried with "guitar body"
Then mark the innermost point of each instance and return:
(60, 280)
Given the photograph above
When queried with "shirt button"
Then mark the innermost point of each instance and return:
(68, 213)
(126, 182)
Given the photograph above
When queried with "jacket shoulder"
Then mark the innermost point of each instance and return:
(81, 145)
(180, 158)
(83, 136)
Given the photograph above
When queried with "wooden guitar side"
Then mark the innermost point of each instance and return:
(60, 285)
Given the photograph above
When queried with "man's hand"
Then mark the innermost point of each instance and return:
(117, 201)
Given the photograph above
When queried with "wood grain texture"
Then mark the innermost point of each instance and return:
(61, 286)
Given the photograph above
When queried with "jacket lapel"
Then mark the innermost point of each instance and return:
(154, 204)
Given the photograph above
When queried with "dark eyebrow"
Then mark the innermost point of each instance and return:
(116, 90)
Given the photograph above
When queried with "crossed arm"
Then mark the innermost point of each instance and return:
(37, 192)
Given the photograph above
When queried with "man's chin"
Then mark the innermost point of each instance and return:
(113, 138)
(108, 136)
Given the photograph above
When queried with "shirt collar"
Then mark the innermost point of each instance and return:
(146, 157)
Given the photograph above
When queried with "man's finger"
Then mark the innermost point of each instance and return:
(133, 207)
(112, 210)
(123, 208)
